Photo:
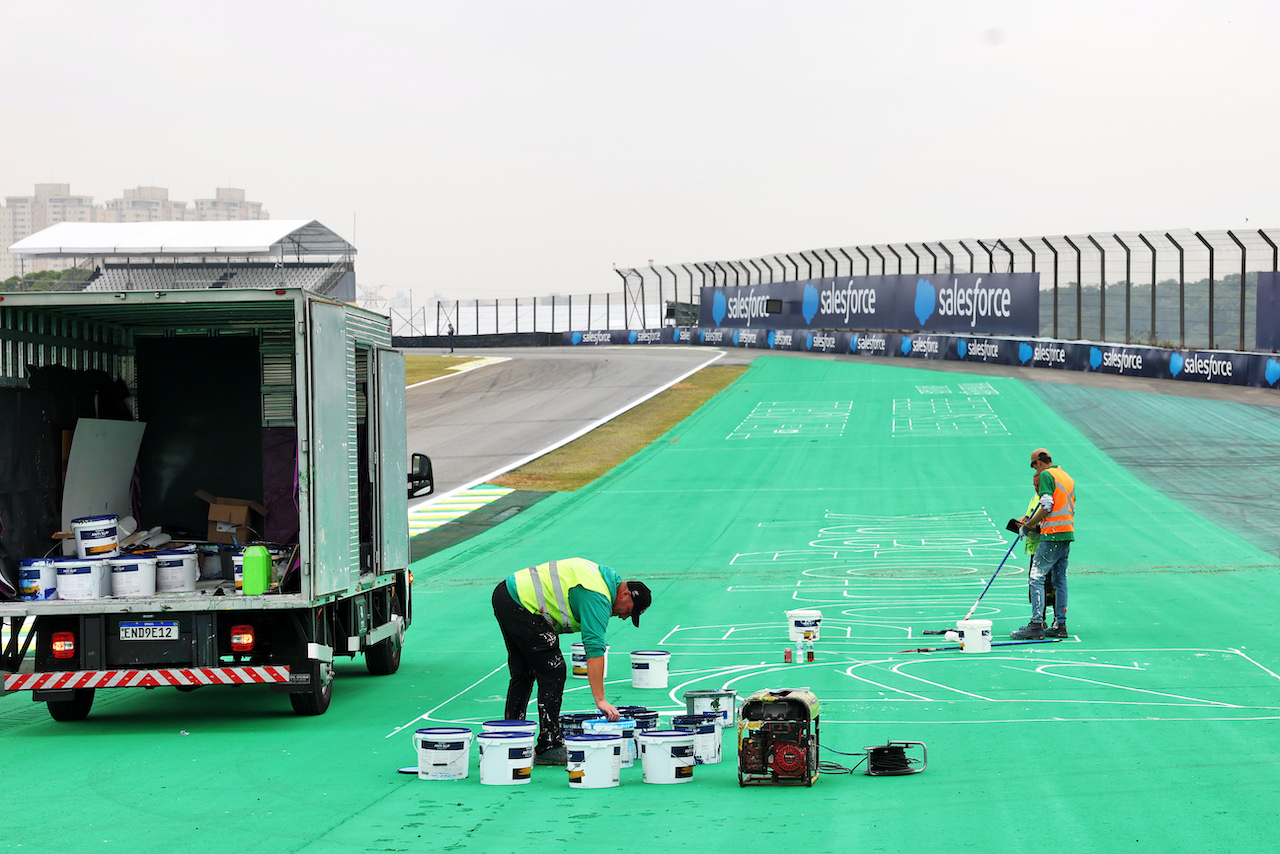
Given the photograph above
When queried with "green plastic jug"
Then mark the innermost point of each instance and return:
(257, 570)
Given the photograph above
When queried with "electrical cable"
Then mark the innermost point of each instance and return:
(829, 767)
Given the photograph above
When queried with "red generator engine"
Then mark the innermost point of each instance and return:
(778, 737)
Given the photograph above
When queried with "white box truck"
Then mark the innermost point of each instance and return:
(292, 402)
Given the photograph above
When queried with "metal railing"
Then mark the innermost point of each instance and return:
(1175, 288)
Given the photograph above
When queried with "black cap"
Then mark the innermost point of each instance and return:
(641, 599)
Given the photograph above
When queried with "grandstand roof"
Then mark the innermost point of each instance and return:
(281, 238)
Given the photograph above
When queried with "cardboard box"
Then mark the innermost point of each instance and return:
(231, 518)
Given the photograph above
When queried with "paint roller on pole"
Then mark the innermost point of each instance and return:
(1012, 525)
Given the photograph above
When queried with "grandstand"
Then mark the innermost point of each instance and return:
(151, 256)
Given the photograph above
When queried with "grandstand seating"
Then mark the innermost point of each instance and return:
(199, 276)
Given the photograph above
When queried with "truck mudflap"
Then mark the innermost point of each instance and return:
(165, 677)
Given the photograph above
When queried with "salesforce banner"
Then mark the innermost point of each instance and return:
(986, 303)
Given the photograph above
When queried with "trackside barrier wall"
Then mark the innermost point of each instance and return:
(1260, 370)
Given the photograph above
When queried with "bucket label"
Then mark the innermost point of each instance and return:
(522, 773)
(519, 752)
(443, 745)
(639, 665)
(682, 750)
(684, 771)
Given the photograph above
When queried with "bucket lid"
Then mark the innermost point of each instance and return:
(664, 733)
(713, 692)
(595, 736)
(109, 517)
(511, 724)
(650, 652)
(445, 730)
(527, 736)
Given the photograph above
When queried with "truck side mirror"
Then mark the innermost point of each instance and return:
(421, 481)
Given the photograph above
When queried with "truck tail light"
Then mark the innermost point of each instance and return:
(242, 638)
(64, 644)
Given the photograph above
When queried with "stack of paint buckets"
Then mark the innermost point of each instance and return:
(506, 752)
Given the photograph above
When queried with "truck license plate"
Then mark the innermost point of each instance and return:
(148, 631)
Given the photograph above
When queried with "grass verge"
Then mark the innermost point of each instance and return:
(418, 368)
(587, 458)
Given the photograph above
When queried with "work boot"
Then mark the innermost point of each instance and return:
(552, 756)
(1031, 631)
(1057, 630)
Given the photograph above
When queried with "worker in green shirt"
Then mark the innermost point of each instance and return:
(535, 605)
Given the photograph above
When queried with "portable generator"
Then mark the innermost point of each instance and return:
(778, 737)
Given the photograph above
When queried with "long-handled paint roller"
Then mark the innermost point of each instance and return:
(1001, 643)
(1012, 525)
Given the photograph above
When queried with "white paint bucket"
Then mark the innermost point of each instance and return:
(521, 726)
(237, 562)
(176, 571)
(444, 752)
(97, 536)
(37, 579)
(578, 660)
(506, 758)
(649, 668)
(804, 621)
(594, 760)
(706, 736)
(625, 728)
(722, 701)
(133, 576)
(975, 635)
(667, 755)
(82, 579)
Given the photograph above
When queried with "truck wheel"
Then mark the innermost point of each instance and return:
(383, 658)
(75, 709)
(315, 701)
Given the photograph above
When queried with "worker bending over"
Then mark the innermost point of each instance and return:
(535, 605)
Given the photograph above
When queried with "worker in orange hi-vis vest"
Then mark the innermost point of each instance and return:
(1056, 516)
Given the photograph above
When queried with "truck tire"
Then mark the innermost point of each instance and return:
(383, 658)
(75, 709)
(315, 701)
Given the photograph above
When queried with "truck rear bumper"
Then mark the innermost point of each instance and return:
(173, 676)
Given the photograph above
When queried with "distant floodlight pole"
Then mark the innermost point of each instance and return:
(1244, 257)
(1182, 291)
(1209, 246)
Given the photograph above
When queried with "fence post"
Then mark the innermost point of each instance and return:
(866, 261)
(1102, 288)
(1054, 250)
(1182, 292)
(1079, 286)
(835, 265)
(1209, 246)
(913, 255)
(932, 255)
(951, 259)
(1128, 283)
(1244, 257)
(847, 258)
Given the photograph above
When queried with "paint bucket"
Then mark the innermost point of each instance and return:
(975, 635)
(649, 668)
(706, 736)
(521, 726)
(237, 562)
(804, 621)
(444, 752)
(625, 728)
(134, 575)
(667, 755)
(82, 579)
(722, 701)
(578, 659)
(97, 536)
(210, 562)
(644, 718)
(571, 722)
(37, 579)
(506, 758)
(594, 760)
(176, 571)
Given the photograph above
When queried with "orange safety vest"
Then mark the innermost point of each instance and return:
(1062, 516)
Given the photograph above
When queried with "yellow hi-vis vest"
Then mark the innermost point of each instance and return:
(1062, 515)
(545, 589)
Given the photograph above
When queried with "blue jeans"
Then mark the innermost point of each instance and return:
(1050, 562)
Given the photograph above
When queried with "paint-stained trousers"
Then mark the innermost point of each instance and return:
(533, 655)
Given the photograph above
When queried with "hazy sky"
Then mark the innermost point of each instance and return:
(482, 149)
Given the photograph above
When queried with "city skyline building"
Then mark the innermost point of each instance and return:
(52, 203)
